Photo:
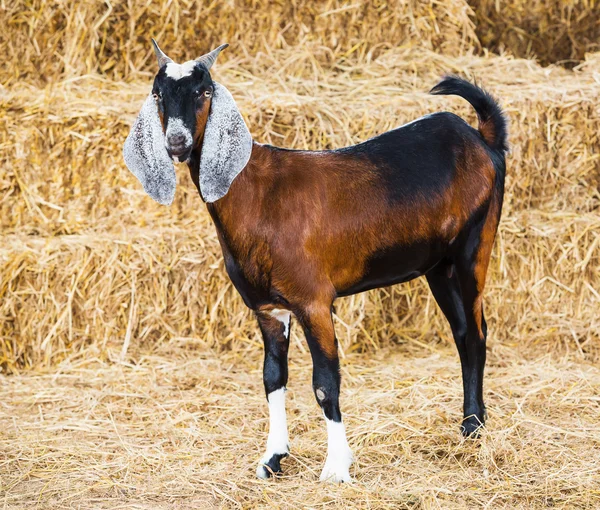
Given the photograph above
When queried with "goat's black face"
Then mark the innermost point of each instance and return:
(182, 93)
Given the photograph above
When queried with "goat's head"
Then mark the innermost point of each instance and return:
(183, 93)
(187, 111)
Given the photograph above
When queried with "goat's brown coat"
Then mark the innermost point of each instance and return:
(299, 227)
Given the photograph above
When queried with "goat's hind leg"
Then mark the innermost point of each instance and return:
(445, 286)
(475, 349)
(471, 268)
(275, 328)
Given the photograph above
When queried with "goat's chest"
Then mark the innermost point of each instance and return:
(248, 266)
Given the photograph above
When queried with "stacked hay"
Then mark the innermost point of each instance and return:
(44, 40)
(553, 31)
(89, 263)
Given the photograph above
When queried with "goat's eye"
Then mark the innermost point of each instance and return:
(157, 95)
(208, 93)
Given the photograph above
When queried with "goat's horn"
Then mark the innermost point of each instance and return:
(162, 58)
(209, 59)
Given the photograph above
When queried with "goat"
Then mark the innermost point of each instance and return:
(300, 228)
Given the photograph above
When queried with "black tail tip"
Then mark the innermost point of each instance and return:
(487, 108)
(452, 84)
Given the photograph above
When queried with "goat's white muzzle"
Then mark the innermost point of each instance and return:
(179, 140)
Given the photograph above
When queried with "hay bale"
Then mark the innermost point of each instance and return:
(68, 268)
(62, 295)
(62, 169)
(46, 41)
(551, 31)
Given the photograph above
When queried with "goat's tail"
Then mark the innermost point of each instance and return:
(492, 124)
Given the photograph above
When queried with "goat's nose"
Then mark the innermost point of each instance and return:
(176, 140)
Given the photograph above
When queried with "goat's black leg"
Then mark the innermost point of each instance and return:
(471, 270)
(320, 335)
(475, 346)
(445, 286)
(275, 328)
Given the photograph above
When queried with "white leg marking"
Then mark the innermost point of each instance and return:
(339, 455)
(277, 442)
(282, 316)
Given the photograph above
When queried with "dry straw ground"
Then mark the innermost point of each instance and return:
(130, 367)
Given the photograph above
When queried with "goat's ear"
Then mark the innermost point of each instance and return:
(146, 156)
(226, 147)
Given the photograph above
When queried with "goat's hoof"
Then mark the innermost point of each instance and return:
(267, 468)
(337, 469)
(472, 426)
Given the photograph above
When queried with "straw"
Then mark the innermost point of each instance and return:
(130, 367)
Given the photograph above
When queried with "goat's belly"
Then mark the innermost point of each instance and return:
(394, 265)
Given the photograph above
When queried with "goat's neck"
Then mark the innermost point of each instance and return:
(240, 207)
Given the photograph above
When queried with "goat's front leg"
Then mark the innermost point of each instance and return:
(275, 328)
(320, 335)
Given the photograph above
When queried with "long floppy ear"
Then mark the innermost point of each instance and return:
(146, 156)
(226, 147)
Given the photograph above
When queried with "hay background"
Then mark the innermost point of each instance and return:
(131, 368)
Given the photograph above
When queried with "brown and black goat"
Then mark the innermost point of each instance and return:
(299, 228)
